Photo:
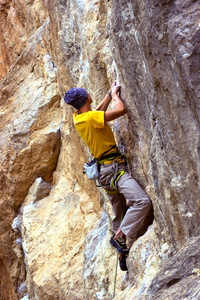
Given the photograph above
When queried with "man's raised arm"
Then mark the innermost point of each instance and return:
(106, 101)
(120, 109)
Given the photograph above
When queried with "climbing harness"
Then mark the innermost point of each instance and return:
(115, 179)
(113, 183)
(114, 158)
(92, 168)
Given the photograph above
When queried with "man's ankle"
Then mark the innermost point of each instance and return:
(119, 235)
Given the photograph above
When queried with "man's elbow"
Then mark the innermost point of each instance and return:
(124, 111)
(121, 112)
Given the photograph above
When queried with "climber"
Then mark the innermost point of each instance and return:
(129, 202)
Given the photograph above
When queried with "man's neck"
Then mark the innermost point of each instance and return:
(85, 108)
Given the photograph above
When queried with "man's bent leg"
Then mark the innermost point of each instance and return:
(107, 172)
(139, 206)
(119, 209)
(119, 206)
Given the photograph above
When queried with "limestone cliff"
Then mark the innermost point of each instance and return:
(55, 224)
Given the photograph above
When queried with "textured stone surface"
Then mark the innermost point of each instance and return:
(179, 277)
(163, 106)
(54, 224)
(30, 134)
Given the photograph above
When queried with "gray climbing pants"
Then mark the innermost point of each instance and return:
(130, 195)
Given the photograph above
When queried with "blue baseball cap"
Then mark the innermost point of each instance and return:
(76, 97)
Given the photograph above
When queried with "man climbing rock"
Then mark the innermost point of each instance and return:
(129, 202)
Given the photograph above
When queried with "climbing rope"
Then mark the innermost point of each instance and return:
(115, 274)
(115, 280)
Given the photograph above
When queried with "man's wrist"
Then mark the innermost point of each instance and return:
(109, 93)
(113, 95)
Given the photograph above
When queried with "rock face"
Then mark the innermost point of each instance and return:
(55, 225)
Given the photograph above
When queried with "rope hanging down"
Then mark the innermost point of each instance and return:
(115, 275)
(115, 280)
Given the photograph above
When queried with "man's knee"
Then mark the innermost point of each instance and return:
(146, 203)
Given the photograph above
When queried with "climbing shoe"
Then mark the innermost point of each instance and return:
(122, 263)
(120, 245)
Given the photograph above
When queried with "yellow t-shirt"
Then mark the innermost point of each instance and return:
(97, 134)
